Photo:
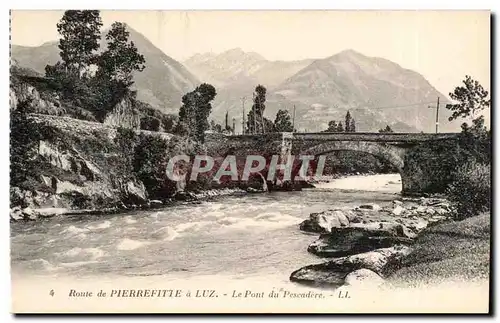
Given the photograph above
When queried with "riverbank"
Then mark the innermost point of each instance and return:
(30, 214)
(456, 250)
(369, 182)
(414, 242)
(366, 242)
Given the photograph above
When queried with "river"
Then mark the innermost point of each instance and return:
(244, 236)
(230, 246)
(227, 243)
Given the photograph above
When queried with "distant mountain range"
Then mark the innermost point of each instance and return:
(236, 68)
(376, 91)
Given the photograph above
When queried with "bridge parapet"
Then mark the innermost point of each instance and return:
(355, 136)
(391, 147)
(376, 137)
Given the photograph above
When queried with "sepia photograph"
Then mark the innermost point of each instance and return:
(250, 161)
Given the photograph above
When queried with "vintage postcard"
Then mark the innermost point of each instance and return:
(250, 161)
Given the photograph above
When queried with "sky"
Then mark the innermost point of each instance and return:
(444, 46)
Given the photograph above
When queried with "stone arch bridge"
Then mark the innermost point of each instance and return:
(391, 147)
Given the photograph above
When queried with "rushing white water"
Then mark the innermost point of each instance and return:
(250, 236)
(380, 183)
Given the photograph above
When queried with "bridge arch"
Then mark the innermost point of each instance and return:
(390, 153)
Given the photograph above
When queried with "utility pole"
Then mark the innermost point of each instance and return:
(263, 123)
(243, 122)
(293, 122)
(254, 116)
(437, 115)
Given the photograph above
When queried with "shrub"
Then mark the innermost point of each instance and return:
(150, 164)
(470, 192)
(126, 139)
(439, 160)
(23, 144)
(150, 123)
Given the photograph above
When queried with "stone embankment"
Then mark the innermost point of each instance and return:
(366, 244)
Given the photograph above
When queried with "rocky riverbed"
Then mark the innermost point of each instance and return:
(366, 244)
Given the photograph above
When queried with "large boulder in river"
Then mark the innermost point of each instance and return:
(396, 228)
(323, 222)
(334, 273)
(353, 240)
(135, 193)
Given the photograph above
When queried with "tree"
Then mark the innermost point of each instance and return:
(78, 44)
(150, 123)
(227, 127)
(80, 35)
(283, 122)
(348, 119)
(80, 38)
(215, 127)
(475, 141)
(251, 123)
(56, 71)
(255, 120)
(472, 98)
(121, 58)
(269, 125)
(194, 112)
(387, 129)
(332, 126)
(340, 127)
(353, 125)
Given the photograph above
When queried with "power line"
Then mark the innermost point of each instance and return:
(393, 107)
(372, 107)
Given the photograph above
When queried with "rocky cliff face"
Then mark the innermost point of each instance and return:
(124, 115)
(81, 167)
(36, 92)
(70, 165)
(78, 166)
(23, 91)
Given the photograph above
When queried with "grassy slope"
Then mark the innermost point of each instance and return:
(448, 251)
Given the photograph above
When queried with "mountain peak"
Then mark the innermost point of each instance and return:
(350, 53)
(233, 51)
(199, 58)
(238, 53)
